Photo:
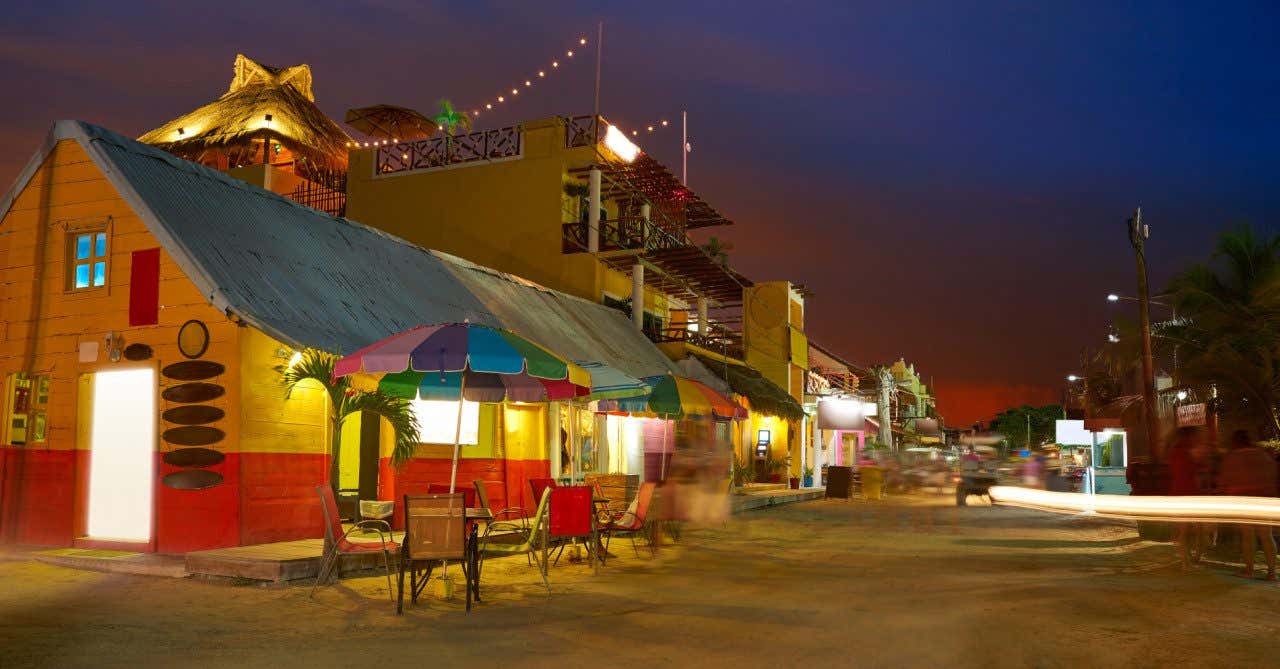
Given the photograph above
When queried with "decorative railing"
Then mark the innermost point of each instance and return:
(581, 131)
(444, 151)
(326, 191)
(715, 338)
(623, 234)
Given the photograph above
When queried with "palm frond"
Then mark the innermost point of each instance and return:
(397, 412)
(316, 366)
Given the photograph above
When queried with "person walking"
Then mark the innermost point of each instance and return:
(1247, 470)
(1184, 480)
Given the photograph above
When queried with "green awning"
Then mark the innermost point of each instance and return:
(764, 395)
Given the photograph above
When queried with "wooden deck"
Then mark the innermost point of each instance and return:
(278, 562)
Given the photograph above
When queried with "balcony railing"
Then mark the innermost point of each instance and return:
(716, 338)
(623, 234)
(581, 131)
(326, 191)
(444, 151)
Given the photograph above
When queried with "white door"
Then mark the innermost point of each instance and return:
(122, 454)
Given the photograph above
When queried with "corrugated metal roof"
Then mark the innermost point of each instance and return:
(310, 279)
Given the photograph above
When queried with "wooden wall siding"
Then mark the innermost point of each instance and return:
(70, 188)
(284, 444)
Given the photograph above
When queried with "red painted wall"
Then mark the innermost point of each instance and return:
(278, 500)
(193, 520)
(506, 481)
(39, 495)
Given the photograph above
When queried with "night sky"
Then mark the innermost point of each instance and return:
(950, 179)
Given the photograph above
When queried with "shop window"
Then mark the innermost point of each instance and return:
(87, 258)
(438, 422)
(588, 456)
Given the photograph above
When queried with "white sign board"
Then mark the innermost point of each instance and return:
(1191, 415)
(841, 415)
(1072, 433)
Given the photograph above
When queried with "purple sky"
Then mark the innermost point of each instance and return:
(950, 179)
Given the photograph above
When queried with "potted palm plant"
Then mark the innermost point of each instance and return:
(743, 474)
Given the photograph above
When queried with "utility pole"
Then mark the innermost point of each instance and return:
(599, 51)
(1138, 234)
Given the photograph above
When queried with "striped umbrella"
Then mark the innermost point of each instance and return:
(457, 361)
(677, 397)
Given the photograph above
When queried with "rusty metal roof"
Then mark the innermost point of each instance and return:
(311, 279)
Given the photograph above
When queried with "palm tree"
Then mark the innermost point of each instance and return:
(344, 401)
(447, 119)
(1228, 330)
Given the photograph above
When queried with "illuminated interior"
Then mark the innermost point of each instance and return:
(122, 456)
(438, 421)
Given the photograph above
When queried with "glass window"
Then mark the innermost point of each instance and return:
(87, 259)
(588, 455)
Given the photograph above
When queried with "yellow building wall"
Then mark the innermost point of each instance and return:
(270, 421)
(507, 214)
(68, 189)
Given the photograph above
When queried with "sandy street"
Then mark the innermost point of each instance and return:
(906, 582)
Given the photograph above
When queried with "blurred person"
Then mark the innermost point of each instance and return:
(1184, 480)
(1033, 471)
(1248, 470)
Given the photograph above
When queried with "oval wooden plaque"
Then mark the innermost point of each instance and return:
(192, 392)
(193, 414)
(193, 435)
(137, 352)
(193, 370)
(194, 457)
(192, 479)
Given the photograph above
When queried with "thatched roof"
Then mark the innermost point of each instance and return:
(239, 118)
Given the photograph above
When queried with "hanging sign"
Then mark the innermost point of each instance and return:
(1190, 415)
(836, 414)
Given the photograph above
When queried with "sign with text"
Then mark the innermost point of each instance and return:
(1191, 415)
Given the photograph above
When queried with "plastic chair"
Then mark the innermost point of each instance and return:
(338, 544)
(539, 485)
(534, 538)
(435, 530)
(573, 517)
(634, 520)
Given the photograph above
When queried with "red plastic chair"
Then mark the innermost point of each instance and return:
(338, 544)
(634, 520)
(572, 517)
(539, 485)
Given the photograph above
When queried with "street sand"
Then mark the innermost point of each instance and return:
(905, 582)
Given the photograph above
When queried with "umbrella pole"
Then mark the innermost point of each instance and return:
(453, 473)
(457, 436)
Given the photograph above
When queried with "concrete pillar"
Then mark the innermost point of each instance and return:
(804, 447)
(593, 214)
(637, 295)
(702, 316)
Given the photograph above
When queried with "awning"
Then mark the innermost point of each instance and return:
(607, 382)
(675, 396)
(764, 395)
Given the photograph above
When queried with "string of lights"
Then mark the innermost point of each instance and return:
(504, 97)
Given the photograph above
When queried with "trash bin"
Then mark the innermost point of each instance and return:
(872, 481)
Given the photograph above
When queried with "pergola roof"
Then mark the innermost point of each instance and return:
(652, 180)
(700, 272)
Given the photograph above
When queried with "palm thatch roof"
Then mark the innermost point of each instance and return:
(262, 102)
(764, 395)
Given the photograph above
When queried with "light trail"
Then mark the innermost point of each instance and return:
(1215, 509)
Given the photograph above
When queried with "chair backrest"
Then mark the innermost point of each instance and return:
(443, 489)
(571, 511)
(435, 526)
(332, 521)
(482, 495)
(539, 485)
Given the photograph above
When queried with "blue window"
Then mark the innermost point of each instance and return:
(87, 259)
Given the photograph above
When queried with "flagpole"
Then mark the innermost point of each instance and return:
(684, 147)
(599, 50)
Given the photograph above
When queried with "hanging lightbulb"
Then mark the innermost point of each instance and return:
(582, 41)
(664, 124)
(569, 54)
(500, 99)
(542, 73)
(488, 105)
(528, 83)
(555, 64)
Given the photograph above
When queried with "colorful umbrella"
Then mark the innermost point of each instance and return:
(676, 397)
(609, 383)
(456, 361)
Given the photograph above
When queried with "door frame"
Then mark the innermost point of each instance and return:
(84, 446)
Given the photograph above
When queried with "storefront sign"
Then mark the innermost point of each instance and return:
(1191, 415)
(836, 414)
